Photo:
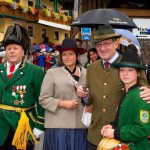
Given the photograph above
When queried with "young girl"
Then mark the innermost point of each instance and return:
(132, 122)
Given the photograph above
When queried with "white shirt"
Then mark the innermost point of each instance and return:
(113, 58)
(8, 67)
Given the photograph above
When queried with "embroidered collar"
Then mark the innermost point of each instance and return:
(70, 76)
(74, 70)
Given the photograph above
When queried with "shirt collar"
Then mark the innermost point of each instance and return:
(8, 66)
(16, 66)
(113, 58)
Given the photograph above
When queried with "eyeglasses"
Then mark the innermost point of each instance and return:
(105, 44)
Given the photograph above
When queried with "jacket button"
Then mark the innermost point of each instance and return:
(105, 83)
(2, 101)
(123, 89)
(104, 110)
(104, 96)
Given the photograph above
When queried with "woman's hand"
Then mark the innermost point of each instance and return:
(103, 130)
(109, 133)
(69, 104)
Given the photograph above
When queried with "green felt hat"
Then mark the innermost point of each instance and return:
(104, 32)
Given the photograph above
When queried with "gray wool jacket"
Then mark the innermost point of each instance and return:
(56, 86)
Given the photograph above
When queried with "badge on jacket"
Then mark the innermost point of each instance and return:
(144, 116)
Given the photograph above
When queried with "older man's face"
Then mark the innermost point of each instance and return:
(14, 53)
(107, 49)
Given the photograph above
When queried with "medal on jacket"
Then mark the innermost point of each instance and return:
(19, 91)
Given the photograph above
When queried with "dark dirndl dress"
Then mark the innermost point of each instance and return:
(65, 139)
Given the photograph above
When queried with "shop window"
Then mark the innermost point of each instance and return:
(66, 35)
(30, 3)
(56, 36)
(17, 1)
(44, 33)
(66, 13)
(30, 30)
(44, 6)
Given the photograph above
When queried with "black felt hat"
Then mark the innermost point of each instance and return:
(70, 44)
(130, 59)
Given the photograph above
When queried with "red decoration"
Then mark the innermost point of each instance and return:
(35, 11)
(122, 146)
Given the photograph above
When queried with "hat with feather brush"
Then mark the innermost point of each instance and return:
(17, 35)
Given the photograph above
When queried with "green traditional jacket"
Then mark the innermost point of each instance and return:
(21, 90)
(134, 121)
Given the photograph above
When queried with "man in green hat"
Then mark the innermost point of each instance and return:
(105, 86)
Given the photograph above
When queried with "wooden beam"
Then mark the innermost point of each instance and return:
(135, 12)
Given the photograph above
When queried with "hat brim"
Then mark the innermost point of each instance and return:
(79, 50)
(105, 37)
(8, 42)
(129, 64)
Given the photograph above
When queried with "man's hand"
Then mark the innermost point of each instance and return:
(145, 93)
(88, 108)
(82, 92)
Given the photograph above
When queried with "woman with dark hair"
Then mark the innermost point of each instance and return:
(63, 109)
(92, 56)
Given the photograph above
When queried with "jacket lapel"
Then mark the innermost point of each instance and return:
(3, 73)
(19, 73)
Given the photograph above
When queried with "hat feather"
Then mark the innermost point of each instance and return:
(132, 47)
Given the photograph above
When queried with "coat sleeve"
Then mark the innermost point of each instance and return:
(39, 75)
(141, 123)
(46, 99)
(90, 99)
